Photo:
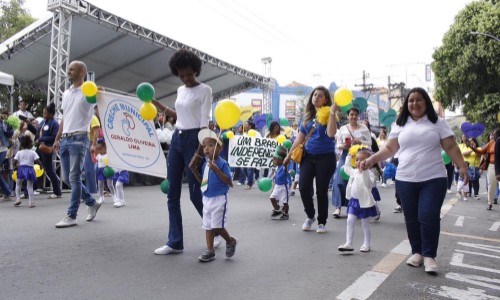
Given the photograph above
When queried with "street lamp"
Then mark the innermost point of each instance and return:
(485, 34)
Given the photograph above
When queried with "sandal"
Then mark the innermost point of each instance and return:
(54, 196)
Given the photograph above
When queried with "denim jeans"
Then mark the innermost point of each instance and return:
(90, 174)
(184, 145)
(72, 153)
(3, 184)
(48, 165)
(422, 203)
(321, 167)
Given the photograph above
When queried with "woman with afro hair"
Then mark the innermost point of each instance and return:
(192, 110)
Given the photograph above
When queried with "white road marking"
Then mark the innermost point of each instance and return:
(458, 260)
(495, 226)
(478, 253)
(458, 294)
(474, 279)
(364, 286)
(480, 246)
(403, 248)
(460, 220)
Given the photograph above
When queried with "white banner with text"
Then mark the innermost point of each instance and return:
(132, 143)
(251, 152)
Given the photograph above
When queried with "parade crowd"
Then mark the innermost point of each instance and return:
(328, 161)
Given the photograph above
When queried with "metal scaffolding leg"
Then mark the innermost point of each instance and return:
(59, 56)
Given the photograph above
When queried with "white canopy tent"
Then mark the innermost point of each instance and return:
(8, 80)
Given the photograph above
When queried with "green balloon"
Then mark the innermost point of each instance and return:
(346, 107)
(284, 122)
(108, 172)
(287, 144)
(265, 184)
(446, 157)
(292, 173)
(92, 99)
(164, 186)
(343, 174)
(145, 91)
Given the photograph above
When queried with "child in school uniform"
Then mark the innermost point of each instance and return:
(215, 184)
(361, 202)
(120, 178)
(281, 191)
(24, 160)
(102, 162)
(462, 189)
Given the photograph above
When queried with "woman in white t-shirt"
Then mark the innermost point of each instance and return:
(192, 110)
(353, 133)
(421, 181)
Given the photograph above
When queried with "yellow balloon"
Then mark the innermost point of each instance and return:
(36, 167)
(288, 131)
(230, 134)
(252, 132)
(148, 111)
(89, 89)
(106, 161)
(498, 116)
(246, 112)
(281, 139)
(342, 96)
(227, 113)
(39, 173)
(14, 175)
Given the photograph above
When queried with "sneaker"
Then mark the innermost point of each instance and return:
(449, 191)
(292, 193)
(101, 200)
(230, 248)
(7, 198)
(284, 216)
(307, 224)
(495, 201)
(164, 250)
(209, 255)
(321, 228)
(93, 211)
(276, 213)
(31, 205)
(383, 185)
(415, 260)
(36, 193)
(53, 196)
(336, 213)
(239, 183)
(217, 241)
(397, 209)
(247, 187)
(364, 248)
(66, 222)
(477, 197)
(430, 265)
(17, 203)
(119, 204)
(345, 247)
(23, 196)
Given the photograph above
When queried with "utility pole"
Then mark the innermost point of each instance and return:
(368, 87)
(395, 91)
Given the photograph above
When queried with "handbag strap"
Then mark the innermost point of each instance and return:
(309, 134)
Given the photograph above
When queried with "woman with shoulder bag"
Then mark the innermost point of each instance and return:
(319, 160)
(353, 133)
(489, 149)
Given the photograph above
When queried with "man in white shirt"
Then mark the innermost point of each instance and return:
(72, 142)
(22, 110)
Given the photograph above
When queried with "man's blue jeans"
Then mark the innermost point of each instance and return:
(422, 203)
(184, 145)
(90, 173)
(72, 153)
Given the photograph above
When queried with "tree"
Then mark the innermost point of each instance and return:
(14, 18)
(467, 66)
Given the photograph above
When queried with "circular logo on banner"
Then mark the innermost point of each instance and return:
(129, 136)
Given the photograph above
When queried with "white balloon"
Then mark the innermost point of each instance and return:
(168, 135)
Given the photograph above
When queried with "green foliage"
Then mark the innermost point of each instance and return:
(467, 67)
(14, 18)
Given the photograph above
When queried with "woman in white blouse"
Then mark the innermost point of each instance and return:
(192, 109)
(353, 133)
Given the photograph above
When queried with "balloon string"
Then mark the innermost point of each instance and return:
(216, 143)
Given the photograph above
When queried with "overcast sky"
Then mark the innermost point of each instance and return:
(312, 42)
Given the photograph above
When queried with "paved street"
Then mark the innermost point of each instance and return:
(112, 257)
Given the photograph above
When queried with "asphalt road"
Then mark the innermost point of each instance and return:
(112, 256)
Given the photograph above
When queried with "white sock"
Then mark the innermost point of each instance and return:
(365, 223)
(351, 219)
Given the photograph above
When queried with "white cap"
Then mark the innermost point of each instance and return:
(207, 133)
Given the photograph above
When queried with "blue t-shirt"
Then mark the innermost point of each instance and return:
(281, 177)
(217, 187)
(319, 142)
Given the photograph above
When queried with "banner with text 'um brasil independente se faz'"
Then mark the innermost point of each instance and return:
(132, 143)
